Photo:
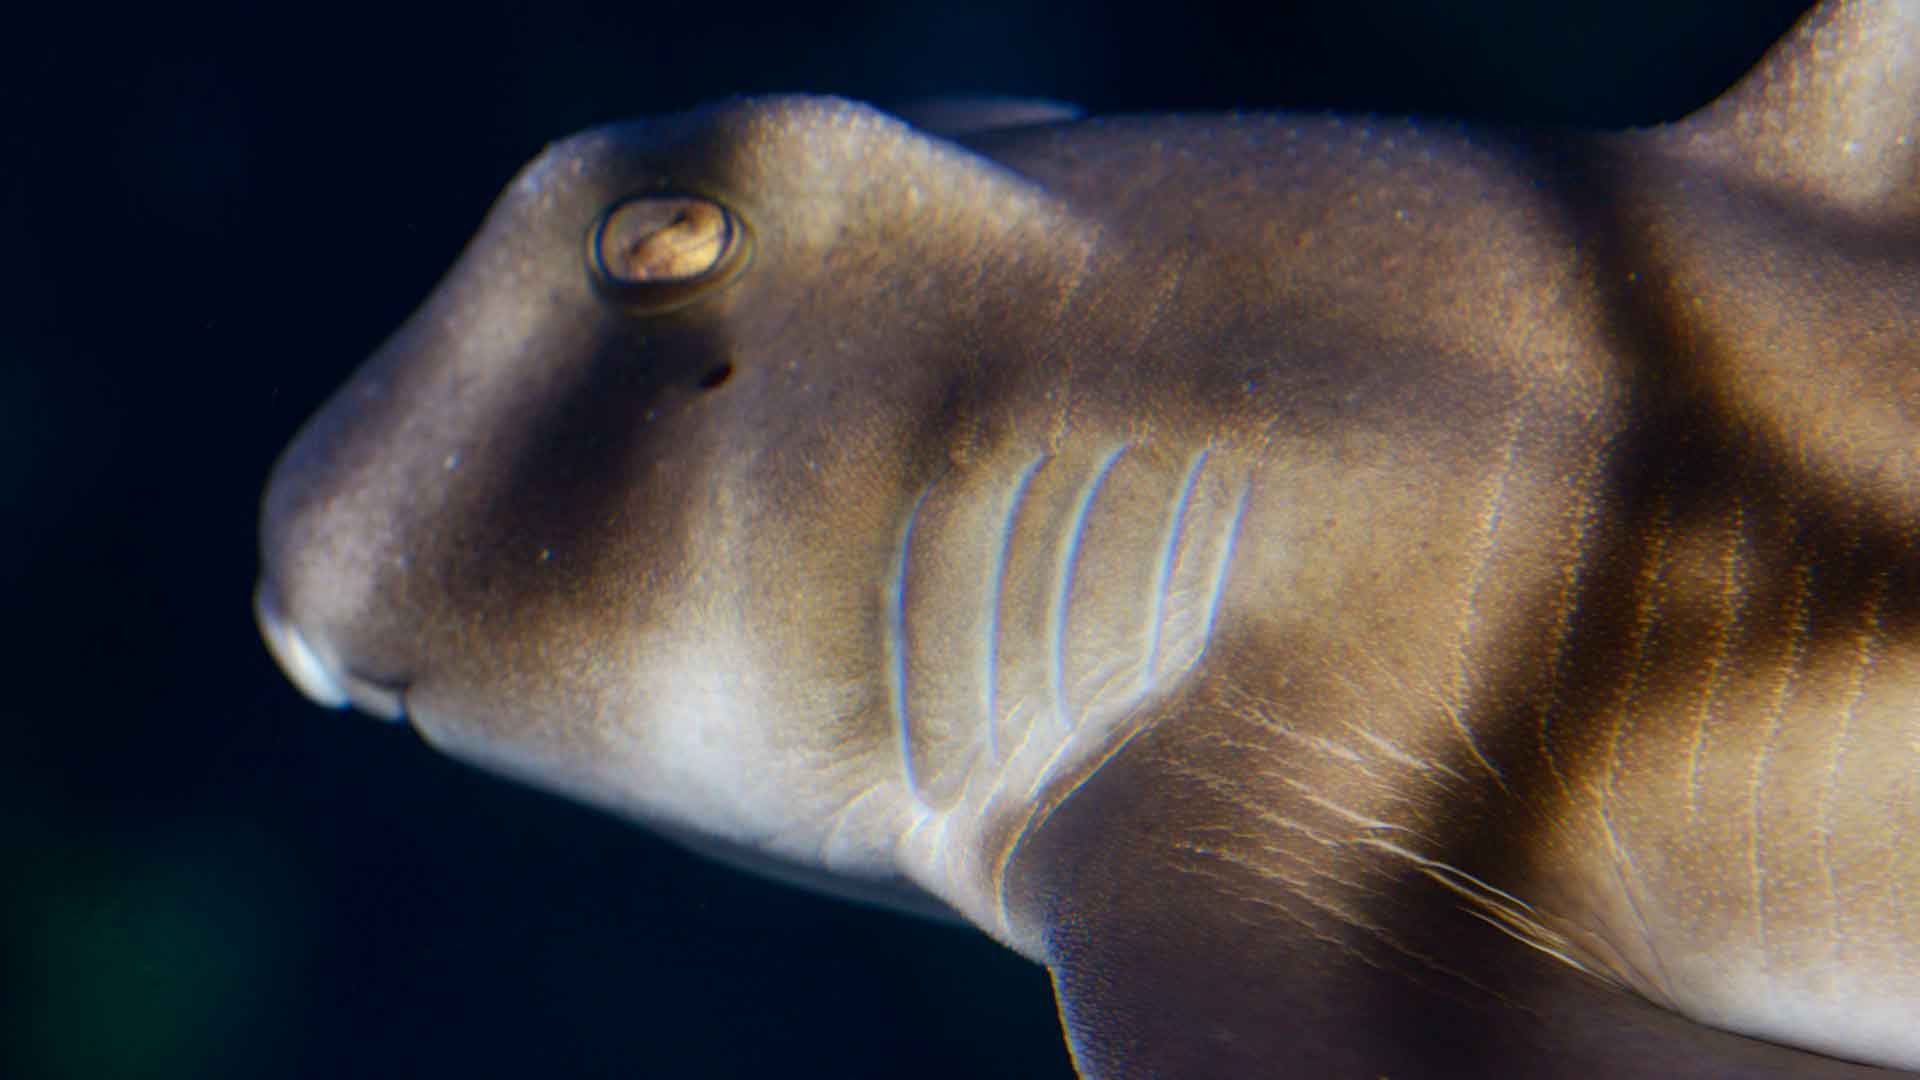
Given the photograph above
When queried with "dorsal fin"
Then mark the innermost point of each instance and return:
(1832, 112)
(959, 116)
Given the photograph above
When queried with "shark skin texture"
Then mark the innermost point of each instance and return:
(1348, 596)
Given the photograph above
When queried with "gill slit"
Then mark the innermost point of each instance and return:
(1491, 516)
(1229, 538)
(896, 640)
(996, 587)
(1220, 569)
(1063, 574)
(1176, 525)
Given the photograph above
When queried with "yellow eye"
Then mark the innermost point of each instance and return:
(655, 252)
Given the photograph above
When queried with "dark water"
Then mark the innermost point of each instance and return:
(208, 218)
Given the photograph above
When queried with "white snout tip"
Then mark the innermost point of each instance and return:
(296, 657)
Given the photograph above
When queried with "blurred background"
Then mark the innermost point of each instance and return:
(207, 217)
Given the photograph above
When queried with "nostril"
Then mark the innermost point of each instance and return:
(385, 700)
(325, 684)
(715, 376)
(294, 655)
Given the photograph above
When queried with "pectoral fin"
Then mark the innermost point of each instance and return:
(1171, 957)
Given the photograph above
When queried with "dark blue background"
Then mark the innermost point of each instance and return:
(209, 216)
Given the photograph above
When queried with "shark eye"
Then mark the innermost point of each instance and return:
(655, 252)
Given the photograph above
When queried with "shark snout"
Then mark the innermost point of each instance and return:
(323, 681)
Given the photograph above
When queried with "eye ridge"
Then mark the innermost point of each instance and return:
(657, 251)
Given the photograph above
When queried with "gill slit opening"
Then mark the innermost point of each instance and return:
(1163, 577)
(1063, 574)
(996, 586)
(1220, 567)
(896, 646)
